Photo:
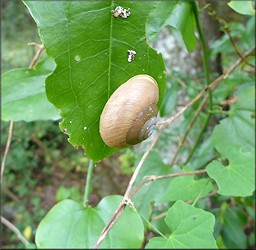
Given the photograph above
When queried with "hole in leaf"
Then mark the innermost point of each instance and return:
(225, 162)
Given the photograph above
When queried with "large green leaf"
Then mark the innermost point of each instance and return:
(23, 94)
(238, 128)
(238, 178)
(234, 138)
(187, 188)
(179, 15)
(190, 228)
(243, 7)
(70, 225)
(89, 46)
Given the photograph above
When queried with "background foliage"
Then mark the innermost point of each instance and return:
(46, 169)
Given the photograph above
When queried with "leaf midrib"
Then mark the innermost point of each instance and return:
(110, 48)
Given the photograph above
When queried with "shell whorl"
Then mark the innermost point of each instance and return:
(129, 115)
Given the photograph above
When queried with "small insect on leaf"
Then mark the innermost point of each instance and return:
(121, 12)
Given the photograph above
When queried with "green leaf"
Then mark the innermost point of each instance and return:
(89, 46)
(238, 128)
(23, 94)
(66, 226)
(68, 193)
(152, 191)
(232, 229)
(234, 138)
(190, 228)
(187, 188)
(69, 225)
(128, 232)
(238, 178)
(179, 15)
(243, 7)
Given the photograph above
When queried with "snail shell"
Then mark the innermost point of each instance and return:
(129, 116)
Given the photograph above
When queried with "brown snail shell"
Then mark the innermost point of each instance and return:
(129, 116)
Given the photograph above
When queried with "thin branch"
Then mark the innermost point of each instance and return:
(9, 139)
(212, 86)
(15, 230)
(154, 178)
(188, 129)
(38, 52)
(236, 48)
(10, 194)
(125, 199)
(222, 22)
(163, 125)
(159, 216)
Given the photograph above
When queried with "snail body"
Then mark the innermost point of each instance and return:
(129, 115)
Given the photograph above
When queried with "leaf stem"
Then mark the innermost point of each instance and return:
(88, 183)
(152, 226)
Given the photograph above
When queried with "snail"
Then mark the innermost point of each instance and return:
(129, 115)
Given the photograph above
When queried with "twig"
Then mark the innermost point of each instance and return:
(236, 48)
(163, 125)
(159, 216)
(6, 149)
(154, 178)
(189, 128)
(212, 86)
(38, 52)
(221, 21)
(15, 230)
(125, 199)
(10, 194)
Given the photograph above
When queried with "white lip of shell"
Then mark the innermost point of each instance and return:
(148, 128)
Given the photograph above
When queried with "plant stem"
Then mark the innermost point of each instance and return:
(207, 76)
(204, 49)
(88, 183)
(15, 230)
(152, 226)
(6, 149)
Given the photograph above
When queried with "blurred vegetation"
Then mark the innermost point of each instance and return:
(18, 29)
(42, 168)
